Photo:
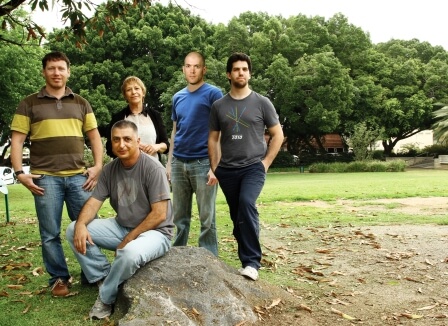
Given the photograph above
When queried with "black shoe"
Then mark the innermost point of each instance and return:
(85, 281)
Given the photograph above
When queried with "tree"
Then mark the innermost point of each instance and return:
(406, 108)
(151, 46)
(312, 97)
(440, 126)
(73, 12)
(20, 76)
(362, 140)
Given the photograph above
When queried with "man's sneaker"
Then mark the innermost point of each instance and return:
(100, 310)
(249, 272)
(59, 288)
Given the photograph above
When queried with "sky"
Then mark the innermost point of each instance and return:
(382, 19)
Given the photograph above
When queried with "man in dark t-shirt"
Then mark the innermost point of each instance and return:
(240, 157)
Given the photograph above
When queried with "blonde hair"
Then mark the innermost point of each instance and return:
(132, 79)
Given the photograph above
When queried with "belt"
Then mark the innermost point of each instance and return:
(183, 160)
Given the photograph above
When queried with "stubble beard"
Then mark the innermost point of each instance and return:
(239, 85)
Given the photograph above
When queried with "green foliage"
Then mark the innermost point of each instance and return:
(359, 166)
(436, 149)
(283, 159)
(440, 126)
(322, 75)
(362, 140)
(378, 155)
(88, 155)
(20, 76)
(409, 150)
(73, 12)
(396, 166)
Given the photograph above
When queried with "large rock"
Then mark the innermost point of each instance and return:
(190, 286)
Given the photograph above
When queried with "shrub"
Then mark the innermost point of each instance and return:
(376, 166)
(378, 155)
(283, 159)
(358, 166)
(436, 150)
(396, 166)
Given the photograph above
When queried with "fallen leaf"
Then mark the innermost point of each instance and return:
(337, 273)
(38, 271)
(411, 316)
(323, 250)
(26, 309)
(340, 313)
(303, 307)
(241, 323)
(14, 286)
(428, 307)
(274, 303)
(24, 248)
(438, 316)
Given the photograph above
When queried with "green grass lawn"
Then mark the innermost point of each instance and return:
(25, 300)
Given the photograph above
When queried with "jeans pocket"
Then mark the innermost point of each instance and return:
(204, 162)
(37, 181)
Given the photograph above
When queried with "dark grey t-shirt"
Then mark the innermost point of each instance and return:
(242, 124)
(132, 190)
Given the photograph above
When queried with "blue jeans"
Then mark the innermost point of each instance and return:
(188, 177)
(108, 234)
(49, 213)
(241, 187)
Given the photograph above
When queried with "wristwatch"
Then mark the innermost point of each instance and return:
(16, 173)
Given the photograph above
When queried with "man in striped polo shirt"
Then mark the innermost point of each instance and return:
(56, 120)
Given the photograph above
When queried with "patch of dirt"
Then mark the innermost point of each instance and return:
(376, 275)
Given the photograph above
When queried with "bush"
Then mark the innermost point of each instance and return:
(358, 166)
(436, 150)
(283, 159)
(378, 155)
(396, 166)
(377, 167)
(88, 155)
(409, 150)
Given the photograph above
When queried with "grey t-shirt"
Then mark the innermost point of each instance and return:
(242, 124)
(132, 190)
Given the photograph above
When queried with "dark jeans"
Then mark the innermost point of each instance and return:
(241, 187)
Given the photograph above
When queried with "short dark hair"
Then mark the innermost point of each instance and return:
(55, 56)
(123, 124)
(238, 56)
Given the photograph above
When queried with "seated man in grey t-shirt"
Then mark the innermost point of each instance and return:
(138, 190)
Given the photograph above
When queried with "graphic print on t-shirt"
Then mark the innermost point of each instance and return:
(237, 123)
(127, 192)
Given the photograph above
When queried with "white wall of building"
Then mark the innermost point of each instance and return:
(421, 140)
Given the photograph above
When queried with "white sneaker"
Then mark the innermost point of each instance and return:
(249, 272)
